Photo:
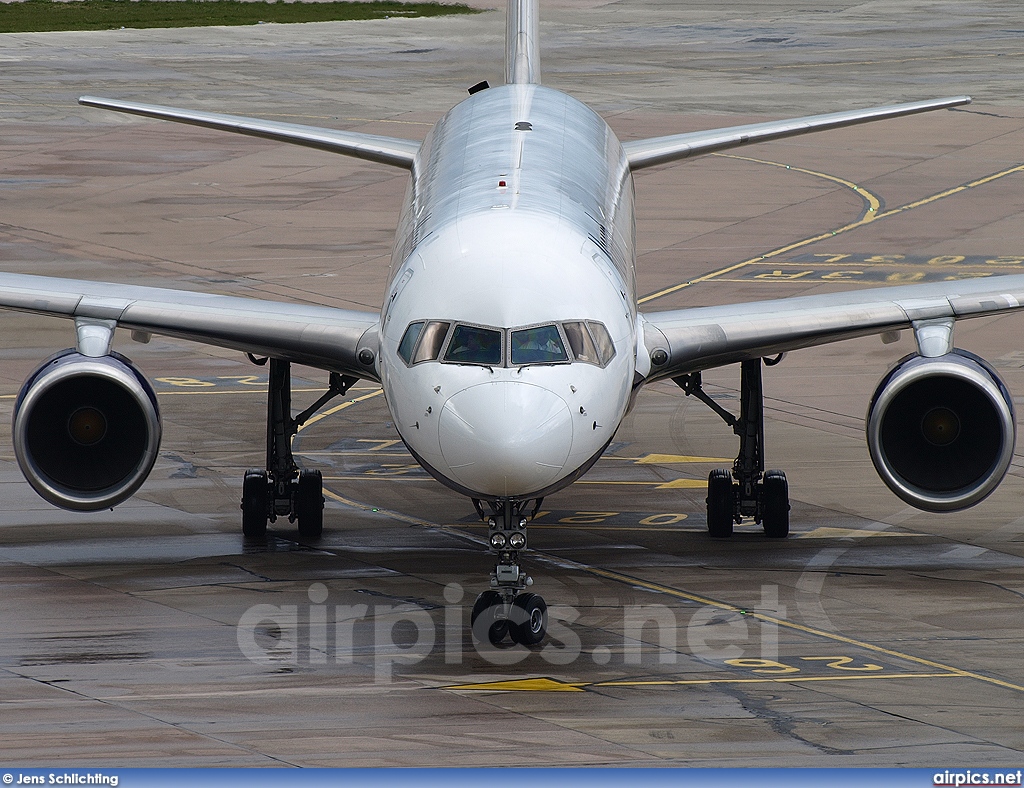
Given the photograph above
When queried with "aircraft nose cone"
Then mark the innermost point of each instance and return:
(505, 438)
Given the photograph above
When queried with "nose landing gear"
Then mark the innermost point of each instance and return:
(507, 610)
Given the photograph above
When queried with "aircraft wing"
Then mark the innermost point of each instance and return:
(705, 337)
(315, 335)
(659, 150)
(383, 150)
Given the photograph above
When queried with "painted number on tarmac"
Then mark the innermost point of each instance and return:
(772, 667)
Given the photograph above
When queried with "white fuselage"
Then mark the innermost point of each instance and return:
(519, 215)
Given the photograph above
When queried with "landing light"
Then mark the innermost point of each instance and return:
(517, 541)
(497, 541)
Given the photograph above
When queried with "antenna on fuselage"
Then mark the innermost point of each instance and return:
(522, 47)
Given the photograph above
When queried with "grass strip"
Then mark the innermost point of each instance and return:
(35, 16)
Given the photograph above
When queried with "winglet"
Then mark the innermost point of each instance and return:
(522, 47)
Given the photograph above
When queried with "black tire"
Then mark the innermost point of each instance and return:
(255, 492)
(775, 505)
(720, 503)
(484, 620)
(529, 622)
(309, 504)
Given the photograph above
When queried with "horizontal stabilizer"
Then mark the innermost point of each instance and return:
(383, 150)
(659, 150)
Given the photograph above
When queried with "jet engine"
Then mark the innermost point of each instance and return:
(86, 430)
(941, 430)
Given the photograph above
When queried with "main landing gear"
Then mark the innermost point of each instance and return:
(746, 491)
(508, 611)
(283, 490)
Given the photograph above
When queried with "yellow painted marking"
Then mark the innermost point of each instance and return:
(779, 680)
(341, 407)
(368, 453)
(584, 527)
(596, 481)
(682, 526)
(683, 484)
(380, 477)
(838, 533)
(381, 445)
(668, 459)
(552, 685)
(520, 685)
(873, 201)
(387, 512)
(202, 392)
(781, 622)
(949, 192)
(206, 392)
(675, 484)
(870, 216)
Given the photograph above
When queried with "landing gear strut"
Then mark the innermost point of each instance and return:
(507, 610)
(746, 491)
(282, 489)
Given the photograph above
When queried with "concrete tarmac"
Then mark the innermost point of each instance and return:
(876, 635)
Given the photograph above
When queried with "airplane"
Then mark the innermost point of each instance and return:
(510, 345)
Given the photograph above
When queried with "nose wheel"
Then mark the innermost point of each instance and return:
(508, 612)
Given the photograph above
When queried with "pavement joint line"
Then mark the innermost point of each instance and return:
(874, 216)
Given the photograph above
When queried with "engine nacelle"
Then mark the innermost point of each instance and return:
(941, 430)
(86, 430)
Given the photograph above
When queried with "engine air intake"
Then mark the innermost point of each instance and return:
(941, 430)
(86, 430)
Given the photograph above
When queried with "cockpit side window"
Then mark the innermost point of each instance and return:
(603, 340)
(538, 345)
(580, 343)
(474, 345)
(429, 348)
(412, 333)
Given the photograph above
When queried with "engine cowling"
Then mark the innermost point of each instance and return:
(941, 431)
(86, 430)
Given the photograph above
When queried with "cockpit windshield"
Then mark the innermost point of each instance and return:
(538, 345)
(474, 345)
(585, 341)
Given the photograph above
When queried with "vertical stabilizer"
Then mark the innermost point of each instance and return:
(522, 52)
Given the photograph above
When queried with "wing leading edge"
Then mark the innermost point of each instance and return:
(319, 336)
(705, 337)
(659, 150)
(383, 150)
